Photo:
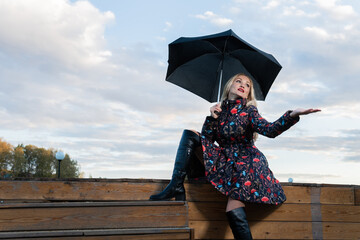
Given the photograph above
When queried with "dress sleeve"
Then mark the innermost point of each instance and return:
(270, 129)
(209, 129)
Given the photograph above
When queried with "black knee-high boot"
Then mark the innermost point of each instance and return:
(189, 141)
(239, 224)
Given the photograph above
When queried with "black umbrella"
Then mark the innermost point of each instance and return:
(202, 64)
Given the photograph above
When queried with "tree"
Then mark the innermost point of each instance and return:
(6, 154)
(18, 163)
(31, 161)
(44, 166)
(31, 158)
(68, 168)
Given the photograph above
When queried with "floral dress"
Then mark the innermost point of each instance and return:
(234, 166)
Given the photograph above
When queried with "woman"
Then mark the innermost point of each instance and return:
(235, 166)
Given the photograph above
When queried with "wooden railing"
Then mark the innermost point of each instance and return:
(119, 209)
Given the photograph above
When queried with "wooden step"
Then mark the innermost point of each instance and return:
(46, 190)
(92, 215)
(122, 234)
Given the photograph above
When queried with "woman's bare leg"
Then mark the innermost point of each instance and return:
(232, 204)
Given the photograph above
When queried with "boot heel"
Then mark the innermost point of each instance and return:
(180, 196)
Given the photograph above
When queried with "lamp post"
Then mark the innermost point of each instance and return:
(59, 156)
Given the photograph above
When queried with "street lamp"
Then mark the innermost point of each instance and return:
(59, 156)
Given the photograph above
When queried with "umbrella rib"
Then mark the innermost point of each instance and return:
(221, 68)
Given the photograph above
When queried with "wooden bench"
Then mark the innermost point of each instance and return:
(111, 207)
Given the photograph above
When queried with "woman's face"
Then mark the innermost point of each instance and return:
(240, 88)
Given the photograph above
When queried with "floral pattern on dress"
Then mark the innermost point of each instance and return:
(233, 164)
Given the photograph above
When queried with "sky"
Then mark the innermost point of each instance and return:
(88, 78)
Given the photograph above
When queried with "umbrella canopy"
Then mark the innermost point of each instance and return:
(203, 65)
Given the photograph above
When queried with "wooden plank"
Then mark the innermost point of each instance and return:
(284, 212)
(196, 192)
(211, 229)
(332, 230)
(134, 231)
(337, 195)
(155, 233)
(260, 230)
(215, 211)
(158, 236)
(55, 218)
(93, 204)
(357, 196)
(138, 233)
(135, 189)
(40, 234)
(98, 191)
(207, 211)
(281, 230)
(78, 190)
(340, 213)
(297, 194)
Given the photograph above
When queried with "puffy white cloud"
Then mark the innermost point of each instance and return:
(215, 19)
(296, 11)
(168, 26)
(271, 4)
(319, 32)
(323, 34)
(71, 33)
(337, 11)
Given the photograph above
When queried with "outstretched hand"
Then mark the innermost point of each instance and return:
(302, 111)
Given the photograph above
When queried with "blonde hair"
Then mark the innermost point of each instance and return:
(251, 100)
